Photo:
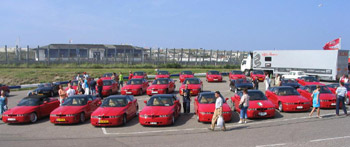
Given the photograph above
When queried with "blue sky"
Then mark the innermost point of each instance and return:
(221, 24)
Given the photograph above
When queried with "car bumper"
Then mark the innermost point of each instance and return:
(155, 92)
(296, 108)
(15, 119)
(328, 104)
(260, 114)
(128, 92)
(214, 79)
(67, 120)
(158, 121)
(106, 121)
(208, 117)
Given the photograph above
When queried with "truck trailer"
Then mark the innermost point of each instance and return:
(328, 65)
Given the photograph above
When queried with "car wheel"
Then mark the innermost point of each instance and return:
(173, 119)
(33, 117)
(280, 106)
(197, 117)
(124, 119)
(82, 117)
(347, 102)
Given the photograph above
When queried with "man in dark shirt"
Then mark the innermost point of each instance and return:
(93, 86)
(256, 84)
(186, 99)
(99, 87)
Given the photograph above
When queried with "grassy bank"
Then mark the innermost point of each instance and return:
(20, 74)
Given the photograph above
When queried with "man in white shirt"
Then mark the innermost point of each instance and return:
(70, 91)
(218, 111)
(341, 92)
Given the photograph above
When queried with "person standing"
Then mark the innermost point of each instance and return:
(3, 103)
(278, 80)
(217, 112)
(316, 101)
(77, 77)
(186, 99)
(130, 75)
(346, 79)
(86, 86)
(245, 103)
(93, 86)
(256, 84)
(85, 75)
(267, 81)
(100, 87)
(341, 93)
(80, 86)
(62, 94)
(121, 80)
(70, 91)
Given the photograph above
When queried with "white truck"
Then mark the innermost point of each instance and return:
(327, 65)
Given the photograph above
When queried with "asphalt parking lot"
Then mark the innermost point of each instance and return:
(286, 129)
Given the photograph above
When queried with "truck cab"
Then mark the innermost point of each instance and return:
(246, 65)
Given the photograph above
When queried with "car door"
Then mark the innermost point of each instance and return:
(44, 107)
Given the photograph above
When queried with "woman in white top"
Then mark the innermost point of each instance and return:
(245, 102)
(267, 81)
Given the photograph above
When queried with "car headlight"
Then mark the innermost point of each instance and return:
(94, 116)
(164, 115)
(289, 103)
(54, 115)
(70, 115)
(5, 115)
(144, 116)
(161, 89)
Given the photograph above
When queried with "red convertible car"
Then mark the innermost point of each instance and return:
(162, 74)
(286, 98)
(75, 109)
(139, 75)
(135, 87)
(185, 74)
(115, 110)
(214, 76)
(327, 98)
(257, 74)
(30, 109)
(161, 86)
(259, 105)
(308, 80)
(109, 87)
(236, 74)
(195, 85)
(204, 106)
(161, 109)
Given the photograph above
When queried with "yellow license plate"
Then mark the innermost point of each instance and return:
(60, 119)
(103, 121)
(40, 94)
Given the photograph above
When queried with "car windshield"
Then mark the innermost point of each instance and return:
(310, 79)
(242, 81)
(163, 72)
(192, 81)
(160, 101)
(323, 89)
(114, 102)
(160, 81)
(256, 95)
(75, 101)
(258, 72)
(107, 74)
(289, 81)
(135, 82)
(287, 91)
(44, 85)
(107, 82)
(337, 85)
(208, 98)
(186, 72)
(29, 102)
(138, 73)
(237, 72)
(213, 72)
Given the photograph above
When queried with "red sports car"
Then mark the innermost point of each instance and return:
(185, 74)
(236, 74)
(109, 87)
(259, 105)
(30, 109)
(161, 86)
(115, 110)
(161, 109)
(214, 76)
(204, 106)
(286, 98)
(257, 74)
(5, 88)
(162, 74)
(75, 109)
(308, 80)
(195, 85)
(327, 98)
(139, 75)
(135, 87)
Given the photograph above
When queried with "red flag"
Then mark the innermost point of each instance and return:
(332, 45)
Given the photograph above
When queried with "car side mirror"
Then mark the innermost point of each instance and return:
(145, 102)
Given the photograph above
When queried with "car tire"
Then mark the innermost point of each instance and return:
(173, 120)
(33, 117)
(82, 117)
(280, 107)
(124, 119)
(137, 111)
(347, 101)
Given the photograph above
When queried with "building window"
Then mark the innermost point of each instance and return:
(110, 52)
(83, 53)
(268, 59)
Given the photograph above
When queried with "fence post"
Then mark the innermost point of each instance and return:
(133, 56)
(196, 56)
(158, 56)
(211, 54)
(166, 55)
(115, 54)
(189, 56)
(150, 55)
(6, 55)
(203, 57)
(37, 53)
(27, 56)
(182, 50)
(174, 55)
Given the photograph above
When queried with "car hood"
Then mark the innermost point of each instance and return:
(21, 110)
(43, 89)
(292, 99)
(157, 110)
(238, 76)
(313, 83)
(160, 86)
(290, 84)
(108, 111)
(132, 86)
(68, 109)
(260, 76)
(327, 96)
(261, 104)
(211, 107)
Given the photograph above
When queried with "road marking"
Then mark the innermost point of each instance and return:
(269, 145)
(325, 139)
(104, 130)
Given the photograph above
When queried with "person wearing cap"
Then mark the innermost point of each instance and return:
(341, 92)
(186, 99)
(218, 111)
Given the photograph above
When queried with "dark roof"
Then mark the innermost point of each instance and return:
(88, 46)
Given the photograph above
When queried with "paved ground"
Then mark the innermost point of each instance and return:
(286, 129)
